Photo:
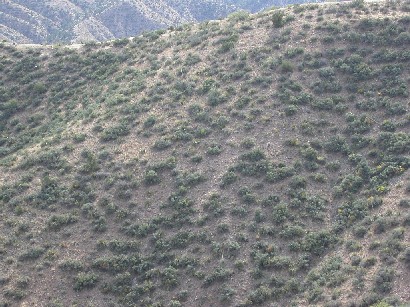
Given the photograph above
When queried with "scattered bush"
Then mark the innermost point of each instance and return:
(85, 281)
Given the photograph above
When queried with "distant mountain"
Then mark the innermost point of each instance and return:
(51, 21)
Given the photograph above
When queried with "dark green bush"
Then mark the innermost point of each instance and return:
(215, 98)
(85, 281)
(220, 274)
(214, 150)
(32, 254)
(151, 177)
(383, 282)
(162, 144)
(352, 211)
(317, 242)
(114, 132)
(56, 222)
(71, 265)
(228, 178)
(278, 19)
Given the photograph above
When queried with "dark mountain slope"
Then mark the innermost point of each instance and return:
(48, 21)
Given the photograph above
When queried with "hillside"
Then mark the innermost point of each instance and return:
(257, 160)
(46, 21)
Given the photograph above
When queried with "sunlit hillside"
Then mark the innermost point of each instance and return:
(257, 160)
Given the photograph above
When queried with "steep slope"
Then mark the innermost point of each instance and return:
(47, 21)
(258, 160)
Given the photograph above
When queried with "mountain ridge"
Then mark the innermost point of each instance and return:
(64, 21)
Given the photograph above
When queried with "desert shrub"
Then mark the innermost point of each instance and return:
(406, 256)
(280, 213)
(228, 178)
(270, 200)
(254, 169)
(291, 53)
(278, 19)
(167, 164)
(246, 195)
(79, 137)
(291, 232)
(169, 277)
(85, 281)
(298, 182)
(192, 59)
(287, 66)
(227, 43)
(71, 265)
(253, 156)
(396, 143)
(404, 203)
(360, 231)
(326, 86)
(315, 207)
(99, 223)
(214, 150)
(353, 246)
(197, 159)
(349, 184)
(309, 153)
(139, 230)
(317, 242)
(240, 211)
(291, 110)
(352, 211)
(32, 254)
(114, 132)
(56, 222)
(218, 275)
(337, 144)
(150, 121)
(226, 294)
(13, 293)
(91, 164)
(190, 179)
(280, 173)
(383, 282)
(151, 178)
(215, 97)
(162, 143)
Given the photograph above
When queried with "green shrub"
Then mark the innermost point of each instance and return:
(317, 242)
(85, 281)
(287, 67)
(246, 195)
(291, 110)
(278, 19)
(219, 274)
(114, 132)
(228, 178)
(214, 150)
(56, 222)
(150, 121)
(383, 282)
(280, 213)
(151, 178)
(215, 98)
(280, 173)
(71, 265)
(162, 144)
(352, 211)
(32, 254)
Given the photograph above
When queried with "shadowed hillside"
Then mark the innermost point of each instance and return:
(257, 160)
(46, 21)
